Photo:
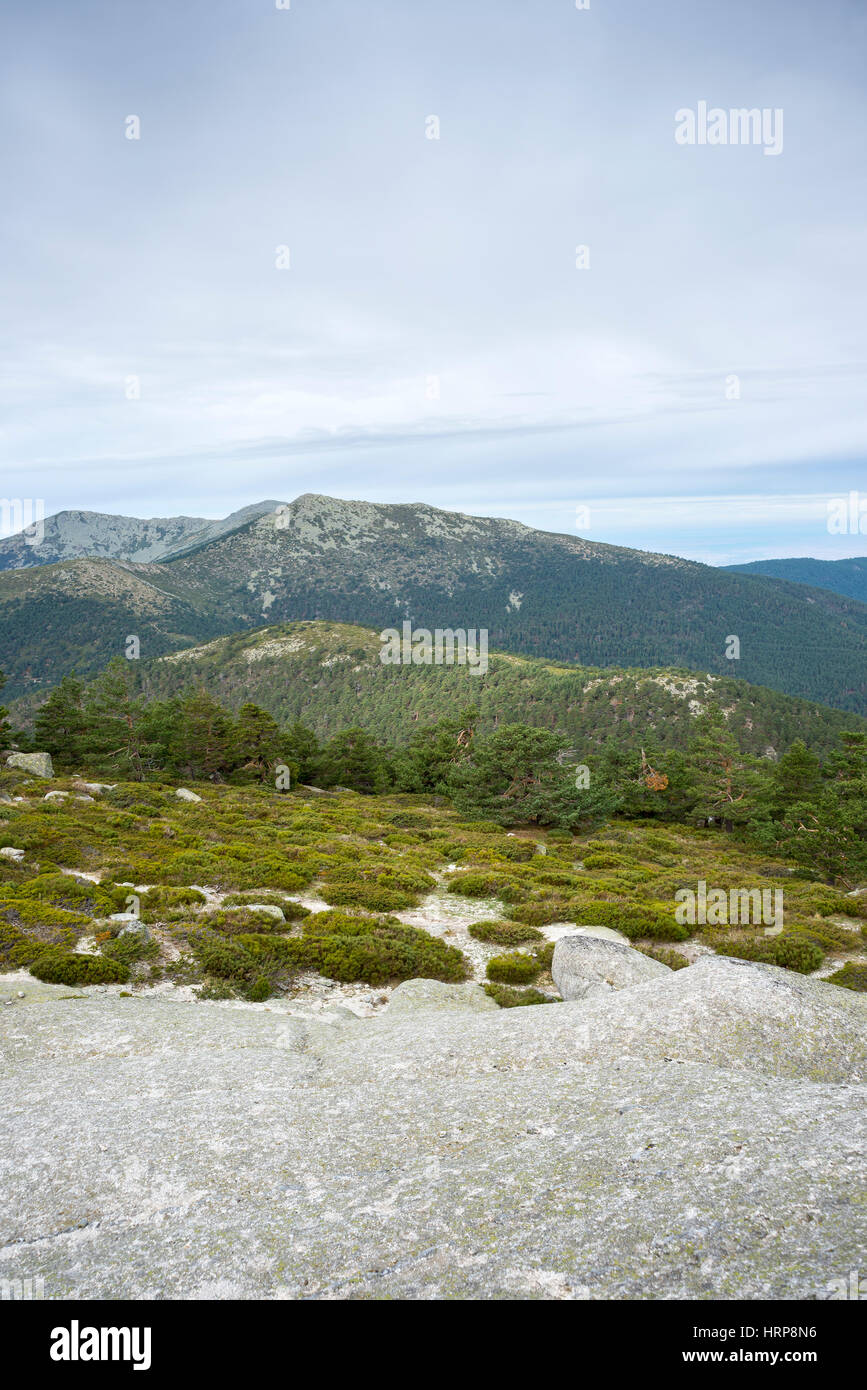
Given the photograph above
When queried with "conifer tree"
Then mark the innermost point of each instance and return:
(59, 725)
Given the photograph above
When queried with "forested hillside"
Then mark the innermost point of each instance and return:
(847, 577)
(538, 594)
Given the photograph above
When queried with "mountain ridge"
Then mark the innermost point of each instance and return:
(541, 594)
(847, 576)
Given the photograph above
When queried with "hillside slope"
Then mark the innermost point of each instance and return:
(539, 594)
(847, 577)
(330, 677)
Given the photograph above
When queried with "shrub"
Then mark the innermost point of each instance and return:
(236, 920)
(825, 901)
(851, 976)
(605, 860)
(488, 885)
(660, 843)
(16, 949)
(64, 891)
(509, 998)
(542, 912)
(41, 917)
(292, 911)
(673, 959)
(368, 895)
(162, 896)
(503, 933)
(129, 948)
(408, 820)
(635, 920)
(217, 989)
(512, 851)
(376, 950)
(513, 969)
(790, 952)
(828, 936)
(557, 878)
(227, 959)
(59, 967)
(545, 955)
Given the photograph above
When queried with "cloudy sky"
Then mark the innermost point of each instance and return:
(696, 386)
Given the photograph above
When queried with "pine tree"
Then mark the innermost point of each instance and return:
(354, 759)
(300, 749)
(515, 776)
(206, 736)
(723, 784)
(828, 833)
(797, 777)
(258, 741)
(59, 725)
(113, 735)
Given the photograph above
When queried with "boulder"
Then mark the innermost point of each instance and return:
(39, 764)
(412, 995)
(135, 928)
(184, 794)
(55, 796)
(697, 1137)
(9, 853)
(585, 965)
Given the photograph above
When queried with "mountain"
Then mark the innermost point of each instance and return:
(75, 535)
(540, 594)
(330, 676)
(847, 577)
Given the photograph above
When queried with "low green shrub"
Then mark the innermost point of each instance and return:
(636, 920)
(851, 976)
(828, 936)
(542, 912)
(368, 895)
(825, 901)
(292, 911)
(488, 885)
(41, 917)
(162, 896)
(16, 949)
(545, 955)
(605, 860)
(673, 959)
(513, 969)
(130, 948)
(511, 851)
(503, 933)
(234, 921)
(375, 950)
(790, 952)
(73, 895)
(55, 966)
(509, 998)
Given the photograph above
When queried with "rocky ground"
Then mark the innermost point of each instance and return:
(698, 1135)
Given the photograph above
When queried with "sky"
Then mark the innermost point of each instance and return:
(342, 256)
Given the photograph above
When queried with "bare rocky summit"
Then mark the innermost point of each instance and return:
(697, 1136)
